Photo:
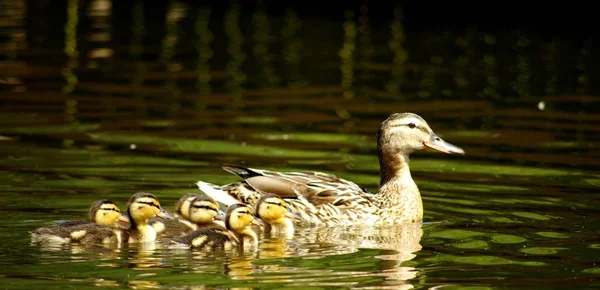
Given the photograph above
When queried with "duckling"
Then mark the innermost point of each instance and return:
(325, 199)
(141, 207)
(203, 212)
(236, 235)
(100, 228)
(273, 210)
(183, 205)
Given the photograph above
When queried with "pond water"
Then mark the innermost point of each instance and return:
(102, 100)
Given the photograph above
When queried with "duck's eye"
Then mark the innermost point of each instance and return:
(411, 125)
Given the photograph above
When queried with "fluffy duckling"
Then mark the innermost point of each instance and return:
(183, 206)
(203, 212)
(274, 211)
(236, 235)
(100, 228)
(141, 207)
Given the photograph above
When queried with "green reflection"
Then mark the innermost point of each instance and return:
(400, 54)
(534, 216)
(504, 220)
(522, 85)
(471, 245)
(346, 54)
(482, 260)
(595, 271)
(235, 51)
(553, 235)
(263, 38)
(203, 48)
(507, 239)
(541, 250)
(292, 51)
(208, 146)
(455, 234)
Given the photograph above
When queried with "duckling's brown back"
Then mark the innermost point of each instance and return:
(209, 239)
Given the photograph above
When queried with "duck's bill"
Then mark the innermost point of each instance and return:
(292, 215)
(436, 143)
(220, 215)
(123, 218)
(163, 214)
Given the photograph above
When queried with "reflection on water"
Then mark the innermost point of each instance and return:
(107, 98)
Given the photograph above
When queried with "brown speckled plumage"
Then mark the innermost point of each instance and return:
(321, 198)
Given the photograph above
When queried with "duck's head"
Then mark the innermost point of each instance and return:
(405, 133)
(105, 212)
(238, 217)
(183, 205)
(143, 206)
(204, 210)
(273, 209)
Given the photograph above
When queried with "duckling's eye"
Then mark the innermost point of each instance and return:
(411, 125)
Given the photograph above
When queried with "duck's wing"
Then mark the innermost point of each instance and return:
(315, 187)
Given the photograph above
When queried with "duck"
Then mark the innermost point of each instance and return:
(277, 218)
(183, 205)
(100, 228)
(326, 199)
(203, 212)
(237, 233)
(141, 207)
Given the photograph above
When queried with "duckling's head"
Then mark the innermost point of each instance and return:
(204, 210)
(105, 212)
(405, 133)
(238, 217)
(183, 205)
(273, 209)
(143, 206)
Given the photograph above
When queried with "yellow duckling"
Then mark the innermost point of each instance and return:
(183, 205)
(203, 212)
(101, 227)
(237, 233)
(141, 207)
(274, 211)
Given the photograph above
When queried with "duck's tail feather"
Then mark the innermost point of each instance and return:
(216, 192)
(240, 171)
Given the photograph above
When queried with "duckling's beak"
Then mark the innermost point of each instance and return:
(436, 143)
(292, 215)
(220, 215)
(163, 214)
(123, 218)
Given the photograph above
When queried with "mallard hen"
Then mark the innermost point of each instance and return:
(321, 198)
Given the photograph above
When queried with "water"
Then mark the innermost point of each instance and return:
(102, 100)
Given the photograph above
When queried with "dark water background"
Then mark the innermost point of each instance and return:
(103, 99)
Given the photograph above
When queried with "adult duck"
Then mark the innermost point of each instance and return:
(321, 198)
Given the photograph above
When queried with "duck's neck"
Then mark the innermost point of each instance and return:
(248, 234)
(145, 233)
(282, 226)
(398, 192)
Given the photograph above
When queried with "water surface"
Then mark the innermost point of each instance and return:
(102, 100)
